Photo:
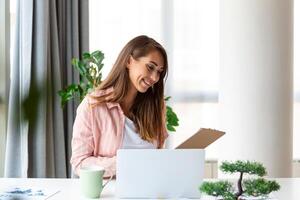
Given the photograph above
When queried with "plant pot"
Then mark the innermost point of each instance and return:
(256, 198)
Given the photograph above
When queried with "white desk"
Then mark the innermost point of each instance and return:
(70, 188)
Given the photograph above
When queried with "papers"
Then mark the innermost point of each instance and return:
(27, 193)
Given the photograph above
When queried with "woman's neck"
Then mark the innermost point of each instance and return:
(126, 104)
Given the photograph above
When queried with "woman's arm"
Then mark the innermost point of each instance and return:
(83, 147)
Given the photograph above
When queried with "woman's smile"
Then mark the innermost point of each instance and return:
(147, 84)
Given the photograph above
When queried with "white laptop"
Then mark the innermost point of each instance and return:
(159, 173)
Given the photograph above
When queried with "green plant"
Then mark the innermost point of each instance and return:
(251, 187)
(220, 188)
(89, 68)
(172, 119)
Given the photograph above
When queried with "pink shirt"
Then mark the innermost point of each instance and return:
(97, 134)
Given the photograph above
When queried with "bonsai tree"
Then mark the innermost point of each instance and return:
(89, 68)
(258, 187)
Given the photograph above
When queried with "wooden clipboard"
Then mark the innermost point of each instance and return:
(201, 139)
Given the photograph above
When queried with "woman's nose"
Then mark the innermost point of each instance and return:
(154, 77)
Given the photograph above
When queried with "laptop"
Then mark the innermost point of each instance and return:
(159, 173)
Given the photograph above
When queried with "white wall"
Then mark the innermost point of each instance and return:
(296, 136)
(256, 90)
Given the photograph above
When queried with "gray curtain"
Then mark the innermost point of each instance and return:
(48, 34)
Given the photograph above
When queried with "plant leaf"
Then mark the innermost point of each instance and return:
(79, 66)
(219, 188)
(260, 186)
(243, 166)
(172, 119)
(167, 98)
(86, 55)
(98, 56)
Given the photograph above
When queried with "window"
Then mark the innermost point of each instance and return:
(196, 67)
(190, 32)
(121, 23)
(191, 28)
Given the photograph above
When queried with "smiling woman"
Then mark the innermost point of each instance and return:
(127, 110)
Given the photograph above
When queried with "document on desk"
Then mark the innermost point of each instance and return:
(27, 193)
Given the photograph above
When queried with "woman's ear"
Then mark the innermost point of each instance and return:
(129, 62)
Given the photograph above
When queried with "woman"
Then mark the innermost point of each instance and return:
(126, 111)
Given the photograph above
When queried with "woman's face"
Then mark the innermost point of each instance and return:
(145, 71)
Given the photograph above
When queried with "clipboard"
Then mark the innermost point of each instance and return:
(201, 139)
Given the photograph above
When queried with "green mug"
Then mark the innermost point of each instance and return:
(91, 181)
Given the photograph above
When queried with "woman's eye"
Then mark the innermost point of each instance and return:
(150, 67)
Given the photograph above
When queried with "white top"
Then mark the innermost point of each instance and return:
(132, 140)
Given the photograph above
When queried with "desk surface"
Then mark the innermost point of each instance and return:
(70, 188)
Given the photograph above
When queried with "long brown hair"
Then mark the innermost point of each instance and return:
(148, 109)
